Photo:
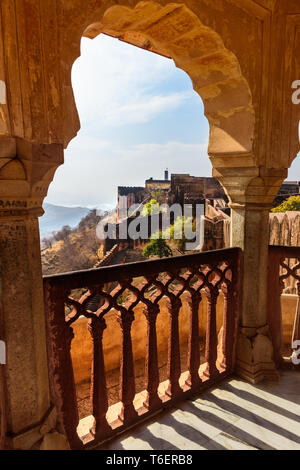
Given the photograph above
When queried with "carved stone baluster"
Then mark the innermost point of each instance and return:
(211, 333)
(228, 329)
(62, 384)
(99, 401)
(275, 288)
(174, 369)
(193, 379)
(296, 331)
(127, 383)
(152, 374)
(72, 415)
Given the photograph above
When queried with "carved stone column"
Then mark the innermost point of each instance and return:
(26, 170)
(251, 192)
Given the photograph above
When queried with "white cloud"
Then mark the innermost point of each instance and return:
(115, 83)
(144, 109)
(92, 177)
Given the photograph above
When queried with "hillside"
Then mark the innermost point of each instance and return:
(56, 217)
(72, 249)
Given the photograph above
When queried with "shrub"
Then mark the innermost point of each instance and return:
(291, 204)
(157, 247)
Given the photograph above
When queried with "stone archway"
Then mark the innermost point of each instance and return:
(242, 57)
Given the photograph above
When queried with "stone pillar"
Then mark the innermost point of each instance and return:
(31, 419)
(251, 192)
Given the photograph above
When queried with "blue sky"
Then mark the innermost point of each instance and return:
(139, 115)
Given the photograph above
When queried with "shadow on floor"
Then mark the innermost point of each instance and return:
(236, 415)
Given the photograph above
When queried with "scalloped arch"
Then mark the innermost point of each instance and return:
(176, 32)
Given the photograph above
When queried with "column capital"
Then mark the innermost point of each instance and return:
(253, 188)
(26, 170)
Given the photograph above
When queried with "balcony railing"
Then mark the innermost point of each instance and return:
(122, 288)
(283, 277)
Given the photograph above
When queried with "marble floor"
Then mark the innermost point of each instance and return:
(233, 416)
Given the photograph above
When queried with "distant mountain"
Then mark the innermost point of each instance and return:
(56, 217)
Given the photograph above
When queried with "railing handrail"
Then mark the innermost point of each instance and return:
(288, 251)
(75, 279)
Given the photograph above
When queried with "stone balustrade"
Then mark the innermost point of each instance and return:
(118, 291)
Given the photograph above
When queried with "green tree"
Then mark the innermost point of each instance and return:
(151, 208)
(157, 247)
(291, 204)
(177, 231)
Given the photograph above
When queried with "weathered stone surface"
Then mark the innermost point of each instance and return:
(264, 330)
(26, 440)
(255, 355)
(50, 422)
(54, 441)
(262, 349)
(245, 351)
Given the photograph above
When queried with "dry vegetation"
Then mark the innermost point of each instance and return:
(72, 249)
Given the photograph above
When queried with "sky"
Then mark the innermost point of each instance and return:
(139, 115)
